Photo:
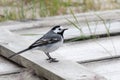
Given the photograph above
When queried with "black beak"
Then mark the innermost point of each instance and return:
(65, 29)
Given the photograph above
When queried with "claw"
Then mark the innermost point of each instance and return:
(48, 58)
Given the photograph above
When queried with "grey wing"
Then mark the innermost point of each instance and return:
(45, 41)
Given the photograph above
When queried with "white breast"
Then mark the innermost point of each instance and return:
(51, 47)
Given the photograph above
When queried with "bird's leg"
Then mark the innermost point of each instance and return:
(50, 58)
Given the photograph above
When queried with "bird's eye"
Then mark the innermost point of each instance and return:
(59, 29)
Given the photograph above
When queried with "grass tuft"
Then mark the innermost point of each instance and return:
(92, 35)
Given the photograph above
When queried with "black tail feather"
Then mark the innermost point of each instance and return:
(19, 52)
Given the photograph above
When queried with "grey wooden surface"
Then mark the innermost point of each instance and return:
(72, 32)
(109, 15)
(108, 68)
(85, 52)
(12, 71)
(64, 70)
(7, 67)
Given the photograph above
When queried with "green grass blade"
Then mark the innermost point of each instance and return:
(108, 31)
(104, 22)
(88, 26)
(75, 25)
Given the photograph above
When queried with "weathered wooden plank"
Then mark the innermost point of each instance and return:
(40, 26)
(11, 71)
(60, 20)
(7, 67)
(24, 75)
(109, 68)
(64, 70)
(90, 50)
(100, 29)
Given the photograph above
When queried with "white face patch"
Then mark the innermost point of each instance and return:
(58, 30)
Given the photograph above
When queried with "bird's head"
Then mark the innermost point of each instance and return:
(59, 29)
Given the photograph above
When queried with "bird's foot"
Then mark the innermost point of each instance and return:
(52, 60)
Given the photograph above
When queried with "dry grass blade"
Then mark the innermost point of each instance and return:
(74, 16)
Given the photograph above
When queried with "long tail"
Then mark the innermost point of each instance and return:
(19, 52)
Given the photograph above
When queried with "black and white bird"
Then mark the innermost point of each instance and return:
(50, 42)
